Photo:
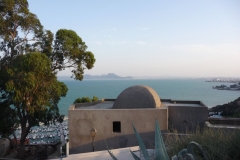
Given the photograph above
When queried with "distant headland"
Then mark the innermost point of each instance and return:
(105, 76)
(109, 76)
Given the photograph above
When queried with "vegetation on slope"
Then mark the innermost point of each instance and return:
(231, 109)
(219, 144)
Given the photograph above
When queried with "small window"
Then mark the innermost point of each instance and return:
(117, 127)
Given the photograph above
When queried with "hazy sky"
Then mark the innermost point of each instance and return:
(193, 38)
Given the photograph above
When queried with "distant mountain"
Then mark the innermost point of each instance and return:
(107, 76)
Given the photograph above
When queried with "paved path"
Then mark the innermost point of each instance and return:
(120, 154)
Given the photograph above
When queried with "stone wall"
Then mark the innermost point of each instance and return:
(4, 146)
(81, 121)
(187, 118)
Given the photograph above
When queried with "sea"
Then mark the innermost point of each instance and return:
(175, 89)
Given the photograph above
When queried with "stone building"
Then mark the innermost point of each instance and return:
(113, 119)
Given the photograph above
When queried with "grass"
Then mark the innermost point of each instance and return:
(218, 143)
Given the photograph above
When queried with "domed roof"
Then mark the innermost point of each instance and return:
(137, 97)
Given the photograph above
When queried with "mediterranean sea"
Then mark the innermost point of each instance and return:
(175, 89)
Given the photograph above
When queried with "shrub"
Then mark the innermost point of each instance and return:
(160, 149)
(78, 100)
(95, 99)
(85, 100)
(219, 143)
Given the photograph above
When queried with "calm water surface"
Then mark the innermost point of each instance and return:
(176, 89)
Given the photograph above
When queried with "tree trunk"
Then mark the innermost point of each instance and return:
(21, 151)
(21, 148)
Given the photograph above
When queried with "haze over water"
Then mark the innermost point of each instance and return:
(175, 89)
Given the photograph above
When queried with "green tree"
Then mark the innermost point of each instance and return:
(86, 99)
(21, 32)
(29, 62)
(78, 100)
(95, 99)
(70, 51)
(34, 91)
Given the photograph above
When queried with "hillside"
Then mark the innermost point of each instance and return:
(231, 109)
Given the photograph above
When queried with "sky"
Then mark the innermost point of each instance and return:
(157, 38)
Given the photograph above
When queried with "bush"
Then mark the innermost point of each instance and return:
(219, 143)
(85, 100)
(95, 99)
(78, 100)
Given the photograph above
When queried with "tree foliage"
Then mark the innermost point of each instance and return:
(85, 99)
(8, 120)
(30, 58)
(231, 109)
(70, 51)
(94, 98)
(32, 86)
(20, 29)
(21, 32)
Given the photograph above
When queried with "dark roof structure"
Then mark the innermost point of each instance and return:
(137, 97)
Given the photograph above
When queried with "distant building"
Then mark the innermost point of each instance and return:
(138, 105)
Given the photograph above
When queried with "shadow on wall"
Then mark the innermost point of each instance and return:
(116, 142)
(187, 118)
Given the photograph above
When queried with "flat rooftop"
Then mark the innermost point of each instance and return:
(182, 104)
(101, 105)
(107, 104)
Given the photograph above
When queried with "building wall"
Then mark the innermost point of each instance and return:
(81, 121)
(187, 118)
